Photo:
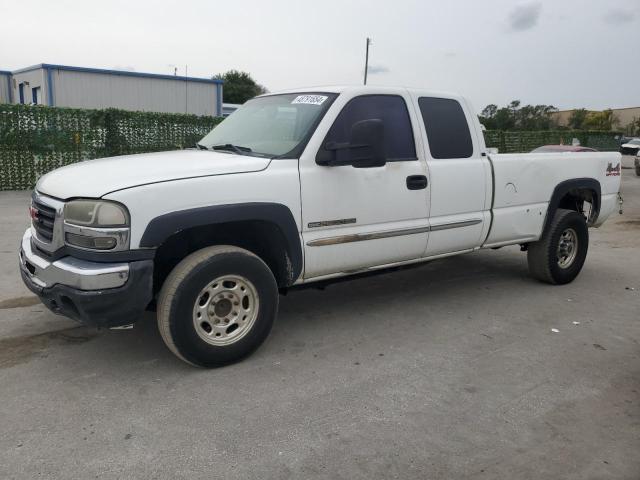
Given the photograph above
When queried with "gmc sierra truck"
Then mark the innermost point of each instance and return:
(293, 188)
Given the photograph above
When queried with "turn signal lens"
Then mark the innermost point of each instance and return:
(94, 243)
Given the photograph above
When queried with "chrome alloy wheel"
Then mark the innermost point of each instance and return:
(567, 248)
(225, 310)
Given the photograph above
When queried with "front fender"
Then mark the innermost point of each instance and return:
(164, 226)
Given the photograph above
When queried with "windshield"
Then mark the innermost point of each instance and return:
(275, 125)
(635, 142)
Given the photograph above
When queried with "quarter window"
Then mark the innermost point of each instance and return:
(447, 128)
(392, 110)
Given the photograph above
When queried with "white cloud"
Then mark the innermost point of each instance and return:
(376, 69)
(617, 16)
(525, 16)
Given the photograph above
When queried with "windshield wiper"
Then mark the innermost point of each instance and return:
(232, 148)
(199, 146)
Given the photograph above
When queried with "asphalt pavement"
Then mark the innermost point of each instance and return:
(447, 371)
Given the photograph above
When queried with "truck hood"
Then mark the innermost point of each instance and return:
(95, 178)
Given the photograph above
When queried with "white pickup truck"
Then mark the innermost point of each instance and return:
(293, 188)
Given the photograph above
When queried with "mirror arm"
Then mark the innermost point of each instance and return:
(343, 146)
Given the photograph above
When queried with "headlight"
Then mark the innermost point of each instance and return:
(95, 213)
(96, 225)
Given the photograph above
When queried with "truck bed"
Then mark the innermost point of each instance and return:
(524, 184)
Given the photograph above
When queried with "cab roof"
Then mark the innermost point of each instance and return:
(363, 89)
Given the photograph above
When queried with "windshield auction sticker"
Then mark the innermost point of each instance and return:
(309, 99)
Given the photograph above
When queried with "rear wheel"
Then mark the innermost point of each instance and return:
(559, 255)
(217, 306)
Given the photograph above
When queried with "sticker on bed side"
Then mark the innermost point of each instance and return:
(309, 99)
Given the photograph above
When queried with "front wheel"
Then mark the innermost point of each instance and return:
(217, 306)
(559, 255)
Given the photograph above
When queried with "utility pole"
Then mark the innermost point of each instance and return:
(366, 61)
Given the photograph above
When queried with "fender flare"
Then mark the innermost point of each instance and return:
(164, 226)
(565, 187)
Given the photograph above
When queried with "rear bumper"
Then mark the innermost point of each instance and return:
(96, 294)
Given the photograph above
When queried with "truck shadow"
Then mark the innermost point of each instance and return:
(307, 317)
(407, 293)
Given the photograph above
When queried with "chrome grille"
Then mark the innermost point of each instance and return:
(46, 223)
(43, 219)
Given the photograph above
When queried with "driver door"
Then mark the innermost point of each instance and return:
(356, 218)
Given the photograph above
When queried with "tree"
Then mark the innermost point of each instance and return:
(489, 111)
(239, 86)
(514, 105)
(504, 119)
(577, 118)
(634, 127)
(535, 117)
(604, 120)
(517, 117)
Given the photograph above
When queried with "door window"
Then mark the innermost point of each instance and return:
(35, 95)
(392, 110)
(447, 128)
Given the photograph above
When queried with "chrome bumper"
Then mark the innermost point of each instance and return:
(69, 271)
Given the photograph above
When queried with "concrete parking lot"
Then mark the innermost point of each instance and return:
(447, 371)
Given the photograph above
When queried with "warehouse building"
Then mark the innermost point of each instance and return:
(623, 116)
(80, 87)
(5, 86)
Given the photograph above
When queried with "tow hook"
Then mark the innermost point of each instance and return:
(620, 201)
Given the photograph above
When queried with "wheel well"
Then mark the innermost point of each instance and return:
(575, 199)
(263, 238)
(572, 194)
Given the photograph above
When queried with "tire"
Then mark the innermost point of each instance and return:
(559, 255)
(204, 299)
(638, 169)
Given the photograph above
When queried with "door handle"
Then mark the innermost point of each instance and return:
(416, 182)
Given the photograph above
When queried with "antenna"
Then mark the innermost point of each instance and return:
(366, 60)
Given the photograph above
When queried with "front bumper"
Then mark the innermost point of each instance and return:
(96, 294)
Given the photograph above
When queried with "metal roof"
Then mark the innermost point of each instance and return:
(49, 66)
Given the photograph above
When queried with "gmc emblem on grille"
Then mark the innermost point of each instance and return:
(33, 213)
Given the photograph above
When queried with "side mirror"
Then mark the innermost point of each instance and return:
(365, 148)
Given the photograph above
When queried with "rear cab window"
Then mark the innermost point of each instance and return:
(447, 128)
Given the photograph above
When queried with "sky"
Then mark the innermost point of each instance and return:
(566, 53)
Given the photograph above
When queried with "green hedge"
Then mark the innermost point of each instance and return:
(521, 141)
(36, 140)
